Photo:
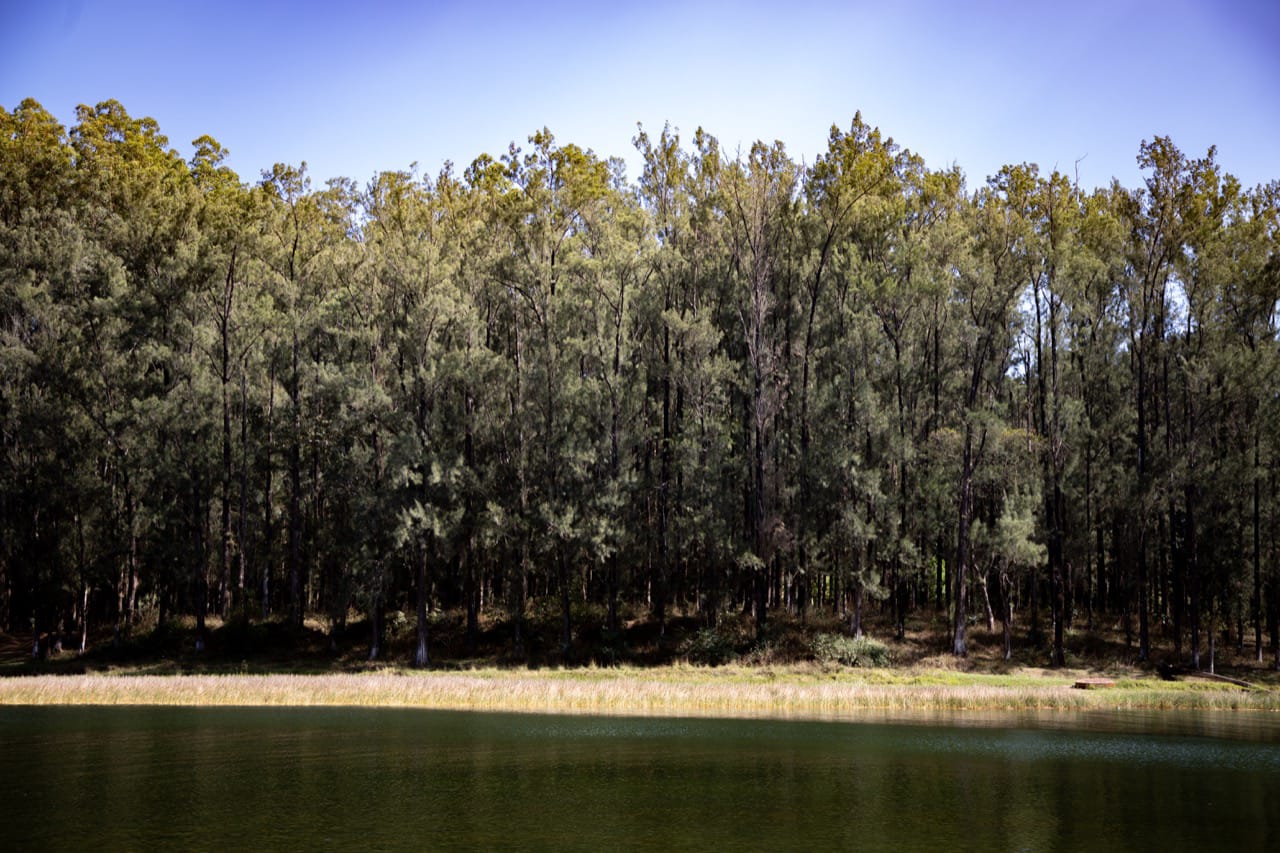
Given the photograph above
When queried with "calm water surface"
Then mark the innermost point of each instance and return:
(181, 778)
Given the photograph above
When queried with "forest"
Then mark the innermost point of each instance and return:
(736, 384)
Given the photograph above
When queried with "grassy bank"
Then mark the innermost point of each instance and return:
(803, 669)
(809, 692)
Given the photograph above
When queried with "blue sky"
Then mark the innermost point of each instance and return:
(354, 88)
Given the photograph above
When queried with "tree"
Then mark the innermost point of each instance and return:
(760, 202)
(987, 284)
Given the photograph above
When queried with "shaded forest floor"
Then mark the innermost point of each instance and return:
(250, 646)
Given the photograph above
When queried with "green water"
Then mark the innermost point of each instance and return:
(150, 778)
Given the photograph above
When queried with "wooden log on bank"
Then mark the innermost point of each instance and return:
(1094, 683)
(1213, 676)
(1169, 672)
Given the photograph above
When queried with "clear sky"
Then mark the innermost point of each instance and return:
(357, 87)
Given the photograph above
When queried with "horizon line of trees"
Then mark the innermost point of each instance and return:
(735, 382)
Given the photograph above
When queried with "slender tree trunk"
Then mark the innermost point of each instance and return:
(1273, 585)
(243, 515)
(472, 592)
(611, 621)
(1178, 559)
(1088, 528)
(1143, 491)
(1257, 549)
(1006, 614)
(661, 564)
(84, 617)
(295, 498)
(268, 527)
(377, 618)
(124, 611)
(224, 324)
(855, 625)
(224, 603)
(1193, 569)
(986, 600)
(198, 558)
(421, 655)
(958, 647)
(566, 637)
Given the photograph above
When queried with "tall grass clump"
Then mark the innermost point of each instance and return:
(848, 651)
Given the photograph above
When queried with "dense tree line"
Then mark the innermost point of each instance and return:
(736, 382)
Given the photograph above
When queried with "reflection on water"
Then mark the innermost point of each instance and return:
(116, 778)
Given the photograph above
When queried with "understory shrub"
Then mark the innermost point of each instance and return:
(709, 646)
(849, 651)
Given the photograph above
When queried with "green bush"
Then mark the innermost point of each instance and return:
(709, 646)
(849, 651)
(398, 624)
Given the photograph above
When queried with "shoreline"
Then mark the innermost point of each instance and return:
(799, 693)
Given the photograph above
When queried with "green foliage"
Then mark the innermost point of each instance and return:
(849, 651)
(739, 379)
(709, 646)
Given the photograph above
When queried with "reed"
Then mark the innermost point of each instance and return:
(805, 692)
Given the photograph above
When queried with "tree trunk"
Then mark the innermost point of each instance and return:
(376, 620)
(958, 647)
(986, 600)
(421, 656)
(566, 636)
(1193, 569)
(198, 558)
(295, 498)
(224, 328)
(268, 528)
(1257, 550)
(472, 592)
(1143, 491)
(243, 515)
(855, 624)
(1006, 614)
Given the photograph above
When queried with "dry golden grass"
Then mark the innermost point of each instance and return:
(805, 691)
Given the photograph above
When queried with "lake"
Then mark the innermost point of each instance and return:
(181, 778)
